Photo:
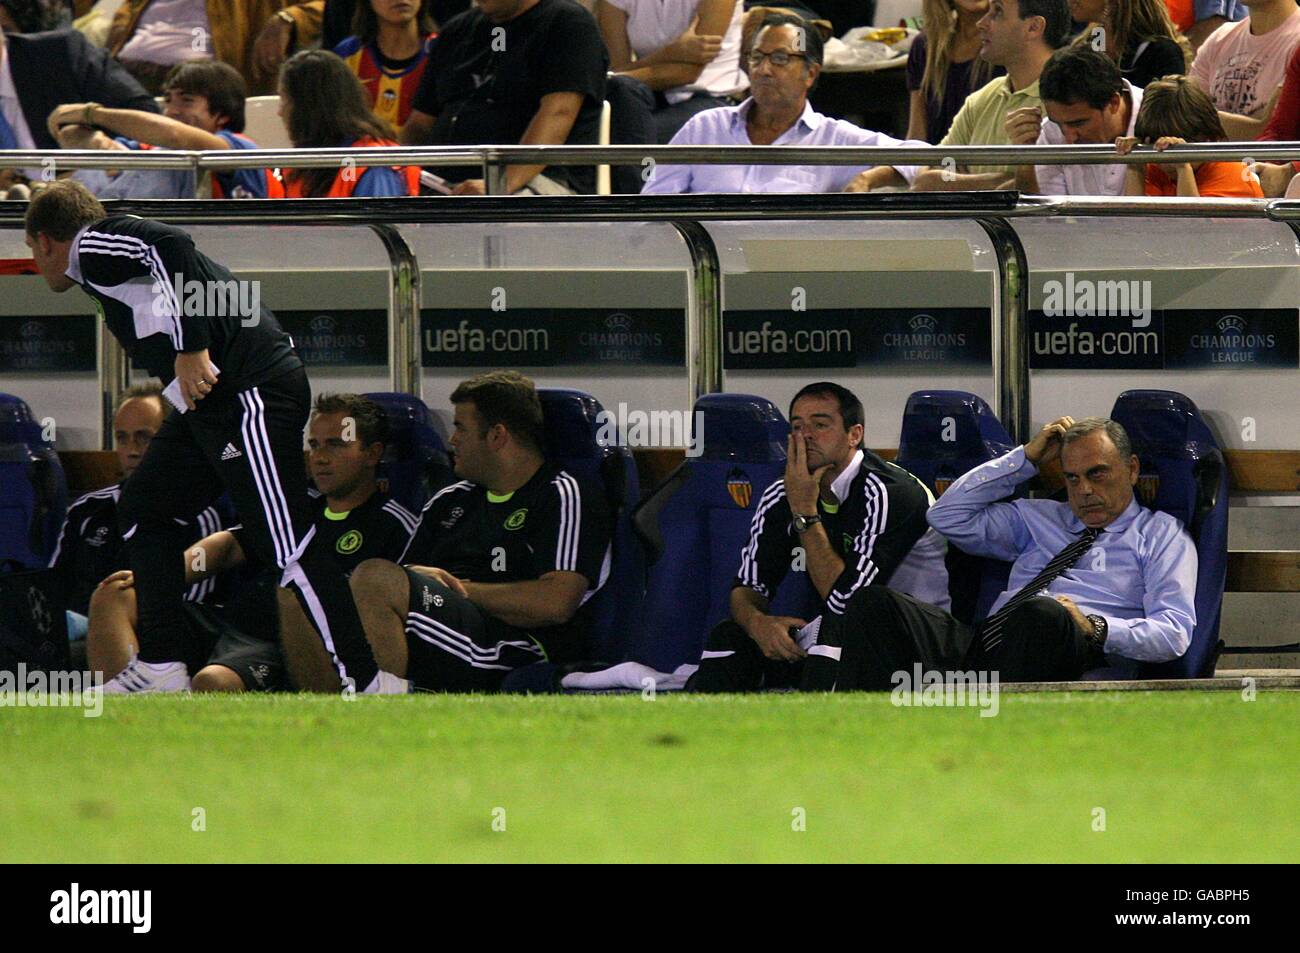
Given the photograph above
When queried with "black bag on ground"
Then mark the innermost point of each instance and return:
(33, 625)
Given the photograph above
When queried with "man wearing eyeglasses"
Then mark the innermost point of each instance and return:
(783, 66)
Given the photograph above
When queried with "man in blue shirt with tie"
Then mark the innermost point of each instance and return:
(1097, 576)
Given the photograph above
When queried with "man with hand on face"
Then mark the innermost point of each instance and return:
(1087, 102)
(500, 566)
(234, 646)
(855, 521)
(1098, 579)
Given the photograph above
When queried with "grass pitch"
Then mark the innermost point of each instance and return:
(1180, 776)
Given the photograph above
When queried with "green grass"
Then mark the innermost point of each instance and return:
(1182, 776)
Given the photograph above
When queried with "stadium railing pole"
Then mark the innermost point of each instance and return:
(114, 379)
(703, 311)
(1010, 344)
(404, 363)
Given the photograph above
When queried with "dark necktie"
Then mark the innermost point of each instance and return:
(990, 632)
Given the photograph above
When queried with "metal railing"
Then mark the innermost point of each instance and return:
(992, 211)
(489, 158)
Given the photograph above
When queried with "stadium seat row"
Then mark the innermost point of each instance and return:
(675, 552)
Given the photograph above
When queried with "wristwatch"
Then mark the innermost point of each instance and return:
(286, 16)
(802, 522)
(1100, 629)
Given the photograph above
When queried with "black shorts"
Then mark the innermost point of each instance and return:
(453, 646)
(240, 636)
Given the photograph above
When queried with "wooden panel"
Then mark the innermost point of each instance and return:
(1263, 571)
(653, 465)
(1266, 471)
(89, 470)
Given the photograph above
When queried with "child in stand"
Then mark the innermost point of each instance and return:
(1175, 111)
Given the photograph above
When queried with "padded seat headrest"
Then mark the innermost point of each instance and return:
(741, 427)
(950, 425)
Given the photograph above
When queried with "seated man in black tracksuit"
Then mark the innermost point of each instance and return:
(855, 521)
(498, 571)
(90, 545)
(233, 643)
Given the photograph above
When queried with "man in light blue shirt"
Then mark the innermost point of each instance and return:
(1096, 579)
(784, 64)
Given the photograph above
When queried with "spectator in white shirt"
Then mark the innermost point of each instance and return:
(1087, 102)
(784, 64)
(686, 51)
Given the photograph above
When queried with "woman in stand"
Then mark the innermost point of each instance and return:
(944, 66)
(388, 48)
(1137, 34)
(324, 106)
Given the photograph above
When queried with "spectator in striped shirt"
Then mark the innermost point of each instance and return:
(388, 48)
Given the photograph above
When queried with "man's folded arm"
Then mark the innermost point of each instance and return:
(969, 515)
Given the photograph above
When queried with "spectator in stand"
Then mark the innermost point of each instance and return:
(204, 110)
(1087, 102)
(1174, 111)
(944, 66)
(337, 24)
(1019, 35)
(1242, 65)
(151, 36)
(784, 64)
(1136, 34)
(1197, 19)
(387, 50)
(34, 16)
(40, 72)
(1283, 126)
(687, 52)
(530, 72)
(324, 106)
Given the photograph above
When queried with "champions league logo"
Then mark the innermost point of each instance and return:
(38, 347)
(1233, 342)
(923, 340)
(1231, 323)
(322, 324)
(619, 340)
(326, 343)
